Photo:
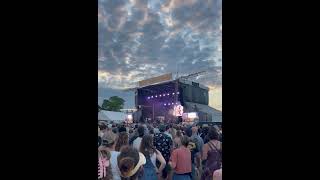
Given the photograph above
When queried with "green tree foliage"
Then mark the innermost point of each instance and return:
(114, 103)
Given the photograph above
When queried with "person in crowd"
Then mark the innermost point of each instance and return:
(211, 154)
(204, 135)
(136, 143)
(99, 137)
(108, 144)
(130, 163)
(198, 139)
(122, 128)
(217, 174)
(104, 168)
(131, 133)
(167, 132)
(200, 131)
(109, 128)
(213, 140)
(164, 144)
(180, 161)
(151, 132)
(103, 129)
(219, 130)
(152, 155)
(143, 123)
(133, 136)
(177, 139)
(195, 153)
(172, 131)
(155, 129)
(115, 130)
(123, 140)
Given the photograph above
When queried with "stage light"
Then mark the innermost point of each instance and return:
(178, 93)
(178, 110)
(169, 104)
(168, 94)
(151, 96)
(164, 94)
(192, 115)
(148, 97)
(172, 93)
(160, 95)
(176, 103)
(156, 96)
(165, 104)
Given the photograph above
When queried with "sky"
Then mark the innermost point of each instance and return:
(140, 39)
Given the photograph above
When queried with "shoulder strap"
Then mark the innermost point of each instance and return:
(211, 146)
(215, 146)
(219, 152)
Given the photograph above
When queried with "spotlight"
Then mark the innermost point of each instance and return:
(168, 104)
(165, 104)
(172, 93)
(151, 96)
(156, 96)
(148, 97)
(164, 94)
(160, 95)
(168, 94)
(178, 93)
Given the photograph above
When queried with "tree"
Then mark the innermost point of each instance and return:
(105, 104)
(99, 108)
(114, 103)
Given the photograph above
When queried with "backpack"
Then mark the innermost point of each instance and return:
(149, 171)
(213, 162)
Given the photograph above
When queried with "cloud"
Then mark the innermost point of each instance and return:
(139, 39)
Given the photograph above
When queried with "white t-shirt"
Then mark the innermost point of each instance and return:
(114, 165)
(136, 143)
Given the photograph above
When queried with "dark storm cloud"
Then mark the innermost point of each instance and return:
(140, 38)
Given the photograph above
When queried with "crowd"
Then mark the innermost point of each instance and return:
(159, 152)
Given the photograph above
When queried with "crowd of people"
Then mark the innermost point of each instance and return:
(144, 151)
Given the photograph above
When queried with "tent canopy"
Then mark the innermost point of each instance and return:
(111, 116)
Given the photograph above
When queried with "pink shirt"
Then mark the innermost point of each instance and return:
(181, 160)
